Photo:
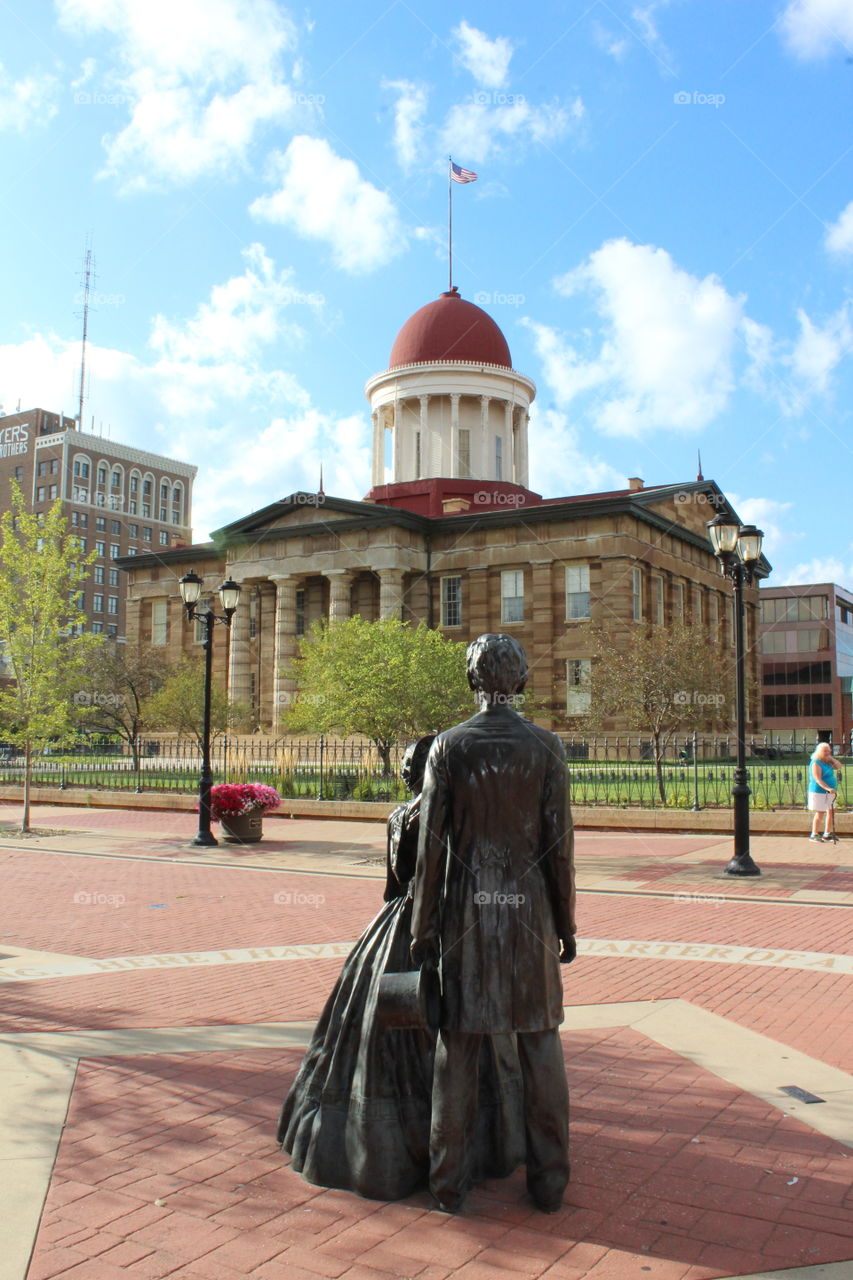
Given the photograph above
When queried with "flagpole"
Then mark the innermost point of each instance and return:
(449, 225)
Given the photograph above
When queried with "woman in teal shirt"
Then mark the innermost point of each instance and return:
(822, 789)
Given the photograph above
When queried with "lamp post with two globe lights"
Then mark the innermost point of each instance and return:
(738, 549)
(229, 594)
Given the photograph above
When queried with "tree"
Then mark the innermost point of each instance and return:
(383, 679)
(42, 568)
(664, 680)
(178, 705)
(118, 682)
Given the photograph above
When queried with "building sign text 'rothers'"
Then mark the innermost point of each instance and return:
(14, 439)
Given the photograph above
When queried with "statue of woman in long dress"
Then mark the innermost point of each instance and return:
(357, 1116)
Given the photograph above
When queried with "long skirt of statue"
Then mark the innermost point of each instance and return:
(358, 1113)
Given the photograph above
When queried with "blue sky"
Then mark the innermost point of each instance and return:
(662, 227)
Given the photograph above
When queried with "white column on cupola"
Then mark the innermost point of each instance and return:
(480, 462)
(378, 470)
(426, 436)
(523, 427)
(397, 441)
(454, 434)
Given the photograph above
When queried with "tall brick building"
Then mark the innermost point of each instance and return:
(120, 501)
(456, 540)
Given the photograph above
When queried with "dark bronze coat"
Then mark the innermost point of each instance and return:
(495, 873)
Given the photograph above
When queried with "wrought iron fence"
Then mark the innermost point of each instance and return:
(608, 771)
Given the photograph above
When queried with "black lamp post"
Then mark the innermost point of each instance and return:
(229, 594)
(738, 548)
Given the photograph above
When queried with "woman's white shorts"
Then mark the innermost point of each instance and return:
(820, 801)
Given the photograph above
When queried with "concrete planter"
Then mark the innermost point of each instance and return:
(242, 828)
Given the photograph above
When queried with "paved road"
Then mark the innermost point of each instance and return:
(155, 1000)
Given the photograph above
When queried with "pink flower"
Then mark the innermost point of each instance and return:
(231, 798)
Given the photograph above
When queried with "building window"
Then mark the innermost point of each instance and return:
(451, 602)
(100, 548)
(133, 551)
(53, 492)
(798, 706)
(499, 458)
(134, 482)
(98, 574)
(112, 629)
(300, 613)
(164, 538)
(131, 506)
(80, 494)
(84, 519)
(578, 687)
(40, 493)
(577, 591)
(114, 578)
(100, 500)
(112, 604)
(133, 530)
(159, 621)
(115, 480)
(115, 527)
(637, 595)
(200, 634)
(84, 544)
(657, 600)
(102, 475)
(54, 466)
(97, 628)
(512, 595)
(101, 524)
(19, 473)
(115, 551)
(678, 602)
(146, 533)
(97, 603)
(146, 489)
(714, 615)
(797, 673)
(75, 517)
(81, 469)
(146, 510)
(464, 453)
(795, 609)
(41, 469)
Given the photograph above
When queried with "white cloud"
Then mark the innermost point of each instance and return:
(772, 517)
(821, 569)
(200, 78)
(615, 46)
(206, 395)
(32, 100)
(818, 350)
(487, 60)
(322, 196)
(409, 111)
(839, 234)
(477, 129)
(561, 461)
(814, 28)
(662, 356)
(242, 315)
(645, 19)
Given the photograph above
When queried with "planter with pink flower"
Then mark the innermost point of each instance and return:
(240, 807)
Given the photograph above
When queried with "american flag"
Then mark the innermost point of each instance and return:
(458, 174)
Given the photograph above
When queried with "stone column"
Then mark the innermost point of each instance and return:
(507, 452)
(480, 462)
(454, 434)
(284, 643)
(426, 439)
(378, 470)
(390, 593)
(340, 588)
(397, 442)
(239, 658)
(523, 466)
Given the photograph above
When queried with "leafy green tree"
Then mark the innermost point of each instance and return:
(663, 681)
(42, 569)
(385, 680)
(178, 705)
(118, 681)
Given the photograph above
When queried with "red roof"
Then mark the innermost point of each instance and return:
(450, 329)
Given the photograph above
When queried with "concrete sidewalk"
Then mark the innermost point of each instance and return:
(156, 998)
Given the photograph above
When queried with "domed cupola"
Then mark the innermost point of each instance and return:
(451, 399)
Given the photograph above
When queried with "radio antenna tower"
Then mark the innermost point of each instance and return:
(86, 281)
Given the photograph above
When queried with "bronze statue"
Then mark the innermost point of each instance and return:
(358, 1113)
(494, 903)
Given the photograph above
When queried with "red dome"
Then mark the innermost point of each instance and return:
(450, 329)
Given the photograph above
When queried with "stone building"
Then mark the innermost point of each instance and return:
(120, 501)
(455, 539)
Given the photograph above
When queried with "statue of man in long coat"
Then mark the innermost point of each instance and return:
(494, 902)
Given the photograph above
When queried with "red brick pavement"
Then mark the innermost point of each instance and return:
(167, 1167)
